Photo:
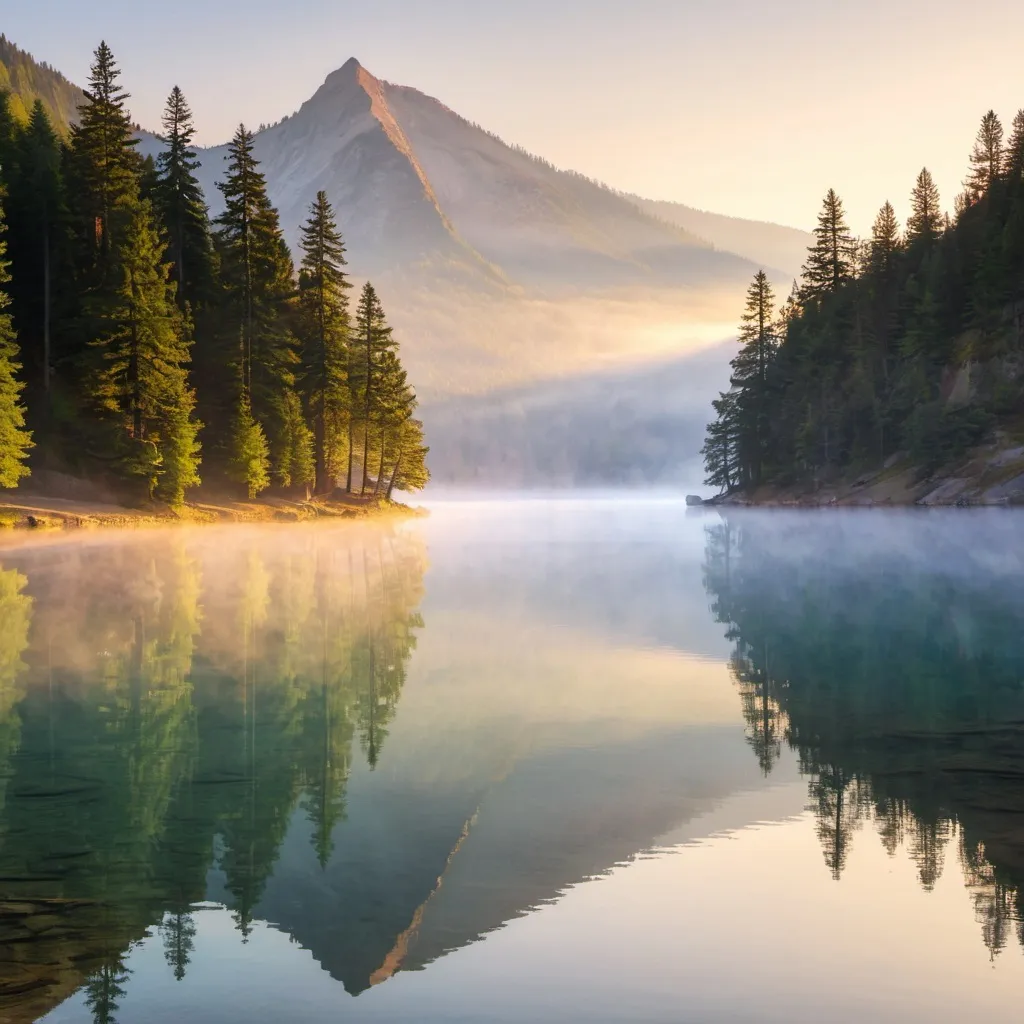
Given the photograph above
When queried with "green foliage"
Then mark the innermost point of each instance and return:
(937, 436)
(832, 259)
(324, 334)
(868, 349)
(30, 81)
(182, 207)
(140, 383)
(104, 165)
(720, 447)
(257, 277)
(294, 464)
(135, 320)
(250, 454)
(15, 440)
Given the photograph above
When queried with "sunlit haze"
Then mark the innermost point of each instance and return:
(742, 108)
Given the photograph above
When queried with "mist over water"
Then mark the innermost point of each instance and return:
(561, 758)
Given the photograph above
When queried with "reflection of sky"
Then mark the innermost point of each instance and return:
(666, 98)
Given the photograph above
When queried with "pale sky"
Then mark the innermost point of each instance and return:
(738, 106)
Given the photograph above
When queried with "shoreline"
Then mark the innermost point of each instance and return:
(989, 476)
(36, 512)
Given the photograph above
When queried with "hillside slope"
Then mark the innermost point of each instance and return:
(770, 245)
(27, 80)
(413, 182)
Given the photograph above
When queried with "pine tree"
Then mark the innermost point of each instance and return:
(409, 472)
(8, 138)
(373, 338)
(886, 243)
(395, 405)
(925, 223)
(719, 451)
(106, 167)
(40, 253)
(181, 205)
(1014, 156)
(324, 331)
(250, 454)
(294, 463)
(758, 343)
(15, 440)
(832, 258)
(986, 158)
(140, 385)
(257, 274)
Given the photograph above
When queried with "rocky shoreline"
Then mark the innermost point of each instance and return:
(991, 475)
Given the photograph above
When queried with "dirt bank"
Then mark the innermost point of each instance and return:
(24, 510)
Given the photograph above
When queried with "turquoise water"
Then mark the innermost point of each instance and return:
(576, 760)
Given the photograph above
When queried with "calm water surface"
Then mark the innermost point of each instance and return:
(535, 761)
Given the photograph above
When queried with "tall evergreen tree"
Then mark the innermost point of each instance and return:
(409, 472)
(40, 253)
(719, 451)
(15, 440)
(249, 462)
(105, 165)
(294, 462)
(986, 158)
(257, 275)
(1014, 154)
(324, 331)
(925, 223)
(181, 205)
(750, 367)
(373, 339)
(832, 258)
(886, 243)
(141, 383)
(395, 405)
(8, 137)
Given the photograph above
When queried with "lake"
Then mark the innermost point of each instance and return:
(551, 760)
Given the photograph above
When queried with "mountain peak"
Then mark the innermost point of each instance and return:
(348, 72)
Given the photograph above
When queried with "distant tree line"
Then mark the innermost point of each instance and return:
(860, 362)
(143, 343)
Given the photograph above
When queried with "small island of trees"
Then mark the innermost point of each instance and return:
(144, 345)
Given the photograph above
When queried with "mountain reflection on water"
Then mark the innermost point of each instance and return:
(388, 743)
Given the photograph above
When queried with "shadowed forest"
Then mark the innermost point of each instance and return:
(909, 341)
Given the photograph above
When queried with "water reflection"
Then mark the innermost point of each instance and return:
(299, 758)
(165, 708)
(889, 654)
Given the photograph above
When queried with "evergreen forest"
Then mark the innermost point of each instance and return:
(146, 347)
(909, 342)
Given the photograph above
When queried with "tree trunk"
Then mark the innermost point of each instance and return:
(394, 475)
(380, 470)
(351, 444)
(366, 411)
(46, 309)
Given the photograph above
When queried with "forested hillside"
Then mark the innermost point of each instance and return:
(145, 346)
(27, 80)
(911, 341)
